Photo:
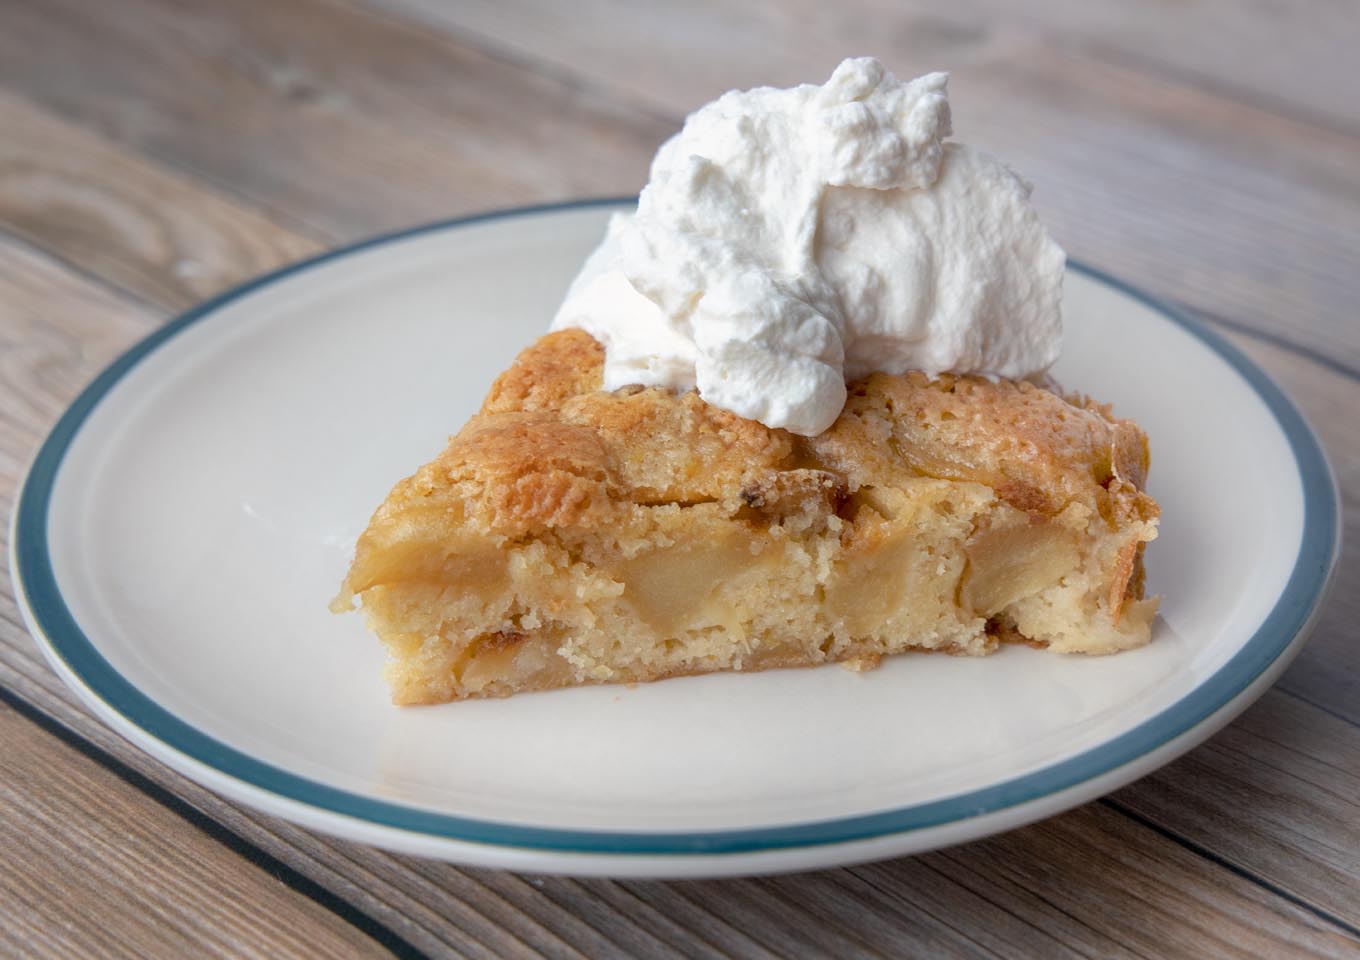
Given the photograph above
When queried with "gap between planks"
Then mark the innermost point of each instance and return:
(254, 926)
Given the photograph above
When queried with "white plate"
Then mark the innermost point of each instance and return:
(181, 532)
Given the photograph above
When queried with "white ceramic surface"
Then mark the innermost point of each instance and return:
(197, 513)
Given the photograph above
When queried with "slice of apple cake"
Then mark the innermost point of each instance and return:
(570, 535)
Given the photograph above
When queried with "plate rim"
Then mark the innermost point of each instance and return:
(78, 658)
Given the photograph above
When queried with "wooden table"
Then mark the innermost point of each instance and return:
(153, 152)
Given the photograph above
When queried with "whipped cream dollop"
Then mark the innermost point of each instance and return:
(789, 239)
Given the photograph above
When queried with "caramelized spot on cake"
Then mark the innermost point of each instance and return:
(1003, 631)
(502, 640)
(785, 493)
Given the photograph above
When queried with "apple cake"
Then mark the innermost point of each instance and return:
(572, 535)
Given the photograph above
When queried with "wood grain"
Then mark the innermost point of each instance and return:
(1296, 57)
(94, 869)
(56, 332)
(1277, 794)
(157, 152)
(1094, 863)
(345, 121)
(157, 235)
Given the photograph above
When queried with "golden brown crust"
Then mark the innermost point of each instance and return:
(1038, 450)
(550, 449)
(530, 471)
(555, 367)
(778, 496)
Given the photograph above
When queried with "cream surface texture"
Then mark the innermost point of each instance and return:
(791, 239)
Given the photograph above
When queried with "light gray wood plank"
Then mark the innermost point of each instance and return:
(1235, 212)
(345, 121)
(1296, 58)
(92, 867)
(1126, 884)
(1278, 794)
(151, 232)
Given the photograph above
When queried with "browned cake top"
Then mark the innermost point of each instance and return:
(550, 449)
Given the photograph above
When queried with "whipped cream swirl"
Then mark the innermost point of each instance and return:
(789, 239)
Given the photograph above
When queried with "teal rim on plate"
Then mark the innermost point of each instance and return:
(38, 585)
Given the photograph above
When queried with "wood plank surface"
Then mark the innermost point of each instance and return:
(156, 152)
(104, 870)
(1296, 57)
(346, 121)
(1277, 794)
(161, 236)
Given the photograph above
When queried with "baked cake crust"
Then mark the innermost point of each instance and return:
(570, 535)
